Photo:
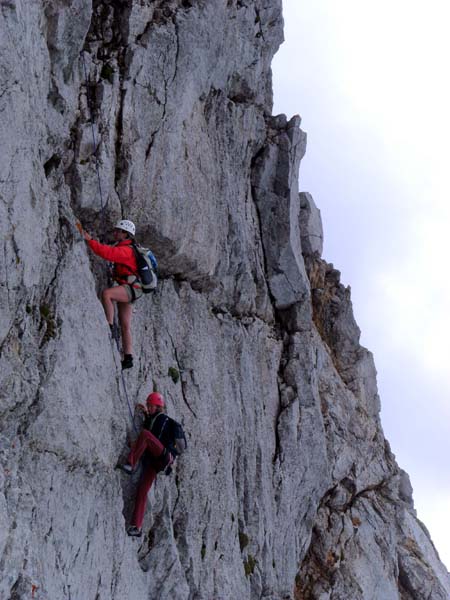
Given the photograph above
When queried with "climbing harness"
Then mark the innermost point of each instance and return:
(103, 223)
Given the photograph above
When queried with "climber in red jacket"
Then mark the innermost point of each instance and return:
(126, 288)
(155, 457)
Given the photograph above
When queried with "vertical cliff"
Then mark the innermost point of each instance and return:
(289, 488)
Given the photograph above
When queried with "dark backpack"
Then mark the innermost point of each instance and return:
(170, 433)
(147, 268)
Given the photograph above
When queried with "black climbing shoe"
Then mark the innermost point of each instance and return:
(134, 531)
(114, 331)
(126, 468)
(127, 362)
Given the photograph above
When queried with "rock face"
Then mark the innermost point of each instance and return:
(288, 489)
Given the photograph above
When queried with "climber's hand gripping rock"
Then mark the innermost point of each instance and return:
(85, 234)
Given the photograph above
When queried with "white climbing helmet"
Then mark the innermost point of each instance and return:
(127, 226)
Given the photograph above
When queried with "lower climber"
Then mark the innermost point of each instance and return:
(155, 457)
(126, 288)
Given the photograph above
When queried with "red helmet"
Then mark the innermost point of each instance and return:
(156, 399)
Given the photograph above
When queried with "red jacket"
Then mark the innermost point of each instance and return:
(122, 254)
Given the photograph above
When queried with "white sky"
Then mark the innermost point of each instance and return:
(371, 83)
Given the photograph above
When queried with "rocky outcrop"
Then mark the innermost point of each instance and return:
(288, 489)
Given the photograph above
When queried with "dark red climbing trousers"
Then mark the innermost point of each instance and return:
(146, 441)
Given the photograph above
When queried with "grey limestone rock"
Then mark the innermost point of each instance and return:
(288, 488)
(275, 191)
(310, 226)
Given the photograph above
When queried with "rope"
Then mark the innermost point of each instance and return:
(128, 402)
(103, 223)
(125, 388)
(89, 104)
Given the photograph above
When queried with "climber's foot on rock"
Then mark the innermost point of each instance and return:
(127, 362)
(126, 468)
(134, 531)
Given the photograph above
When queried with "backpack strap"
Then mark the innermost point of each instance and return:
(137, 254)
(164, 424)
(153, 421)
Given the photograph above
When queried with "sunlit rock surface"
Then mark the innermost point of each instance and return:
(288, 488)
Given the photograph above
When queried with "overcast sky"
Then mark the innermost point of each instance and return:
(371, 83)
